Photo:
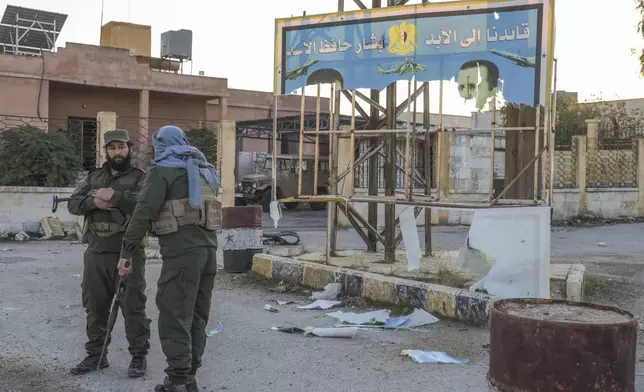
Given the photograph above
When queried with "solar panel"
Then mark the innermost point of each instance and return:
(31, 28)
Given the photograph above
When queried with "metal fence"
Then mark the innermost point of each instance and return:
(611, 168)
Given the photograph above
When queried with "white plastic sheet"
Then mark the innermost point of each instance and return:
(410, 238)
(516, 242)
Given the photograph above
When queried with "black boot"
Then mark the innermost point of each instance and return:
(167, 386)
(191, 384)
(138, 366)
(88, 365)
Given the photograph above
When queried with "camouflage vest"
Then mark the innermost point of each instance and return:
(177, 213)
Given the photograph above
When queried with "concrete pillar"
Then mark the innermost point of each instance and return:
(345, 187)
(640, 175)
(592, 132)
(142, 142)
(223, 108)
(105, 121)
(444, 170)
(226, 135)
(582, 159)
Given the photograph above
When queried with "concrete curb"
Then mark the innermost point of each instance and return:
(457, 304)
(575, 283)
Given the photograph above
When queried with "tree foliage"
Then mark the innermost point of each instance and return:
(31, 157)
(206, 141)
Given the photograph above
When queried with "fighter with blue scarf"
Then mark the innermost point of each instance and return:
(178, 205)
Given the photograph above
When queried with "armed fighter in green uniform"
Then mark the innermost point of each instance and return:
(178, 204)
(106, 198)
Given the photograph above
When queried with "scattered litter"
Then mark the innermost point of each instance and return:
(330, 293)
(7, 249)
(275, 212)
(278, 289)
(67, 307)
(283, 302)
(432, 357)
(321, 332)
(11, 309)
(270, 308)
(376, 317)
(417, 318)
(409, 232)
(215, 331)
(349, 333)
(601, 243)
(289, 329)
(321, 304)
(75, 275)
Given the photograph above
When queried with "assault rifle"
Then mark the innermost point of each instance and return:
(115, 212)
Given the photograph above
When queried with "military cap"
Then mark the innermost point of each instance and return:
(116, 135)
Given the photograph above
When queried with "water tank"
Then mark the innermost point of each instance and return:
(177, 44)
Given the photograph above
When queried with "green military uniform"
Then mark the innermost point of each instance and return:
(188, 244)
(104, 235)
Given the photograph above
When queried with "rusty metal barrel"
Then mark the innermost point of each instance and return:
(241, 236)
(554, 345)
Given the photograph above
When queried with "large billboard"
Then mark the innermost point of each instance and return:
(487, 46)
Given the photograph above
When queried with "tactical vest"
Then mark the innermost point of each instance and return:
(177, 213)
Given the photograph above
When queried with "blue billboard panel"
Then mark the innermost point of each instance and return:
(486, 51)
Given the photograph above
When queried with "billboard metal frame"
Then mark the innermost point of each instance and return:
(383, 132)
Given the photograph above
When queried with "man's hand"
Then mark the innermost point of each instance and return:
(124, 267)
(104, 193)
(102, 204)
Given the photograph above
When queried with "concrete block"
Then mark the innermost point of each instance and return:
(462, 305)
(263, 266)
(52, 227)
(288, 270)
(318, 276)
(442, 302)
(575, 283)
(380, 290)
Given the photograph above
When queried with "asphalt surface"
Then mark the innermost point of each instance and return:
(42, 333)
(42, 323)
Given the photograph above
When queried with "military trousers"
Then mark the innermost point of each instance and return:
(99, 285)
(184, 298)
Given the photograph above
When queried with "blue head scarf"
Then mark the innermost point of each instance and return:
(171, 149)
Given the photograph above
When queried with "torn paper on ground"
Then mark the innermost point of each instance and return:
(376, 317)
(417, 318)
(321, 332)
(410, 238)
(270, 308)
(320, 304)
(432, 357)
(330, 293)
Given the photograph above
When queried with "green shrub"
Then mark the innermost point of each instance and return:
(206, 141)
(31, 157)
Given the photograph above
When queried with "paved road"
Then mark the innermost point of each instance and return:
(42, 325)
(611, 250)
(42, 332)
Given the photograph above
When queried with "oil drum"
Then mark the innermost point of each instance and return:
(541, 345)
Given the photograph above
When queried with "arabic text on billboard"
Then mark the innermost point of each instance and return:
(484, 52)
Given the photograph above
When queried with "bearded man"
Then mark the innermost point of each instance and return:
(107, 198)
